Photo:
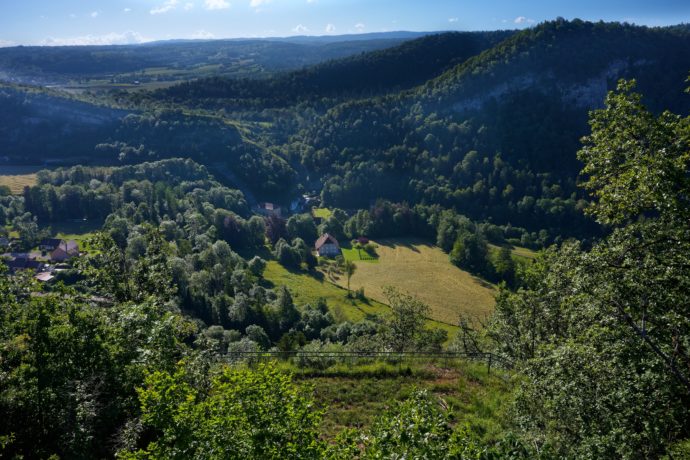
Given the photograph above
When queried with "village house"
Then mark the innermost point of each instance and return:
(23, 263)
(49, 244)
(327, 246)
(65, 251)
(269, 209)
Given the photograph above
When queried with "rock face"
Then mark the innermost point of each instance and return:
(588, 94)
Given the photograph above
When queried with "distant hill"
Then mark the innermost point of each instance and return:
(496, 135)
(383, 71)
(487, 123)
(241, 57)
(577, 59)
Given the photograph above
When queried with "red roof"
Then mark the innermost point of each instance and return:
(325, 238)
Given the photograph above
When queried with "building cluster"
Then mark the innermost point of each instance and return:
(53, 256)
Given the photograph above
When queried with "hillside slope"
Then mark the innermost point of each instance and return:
(384, 71)
(496, 136)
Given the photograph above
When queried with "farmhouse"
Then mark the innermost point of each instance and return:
(49, 244)
(327, 246)
(65, 251)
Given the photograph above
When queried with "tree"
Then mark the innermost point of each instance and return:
(242, 414)
(406, 320)
(350, 268)
(504, 266)
(415, 428)
(471, 252)
(602, 335)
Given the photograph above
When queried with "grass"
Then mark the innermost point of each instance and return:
(321, 213)
(418, 268)
(356, 255)
(309, 287)
(519, 254)
(80, 231)
(17, 182)
(355, 395)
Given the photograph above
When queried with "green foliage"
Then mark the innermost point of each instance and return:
(69, 368)
(349, 268)
(406, 321)
(415, 428)
(635, 163)
(471, 252)
(602, 335)
(241, 414)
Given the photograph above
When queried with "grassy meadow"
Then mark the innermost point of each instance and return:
(418, 268)
(321, 213)
(18, 177)
(309, 287)
(354, 396)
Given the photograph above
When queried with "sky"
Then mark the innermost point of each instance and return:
(97, 22)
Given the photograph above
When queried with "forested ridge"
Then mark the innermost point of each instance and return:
(569, 138)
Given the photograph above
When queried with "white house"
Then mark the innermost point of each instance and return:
(327, 246)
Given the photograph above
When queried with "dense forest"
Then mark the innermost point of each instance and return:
(569, 138)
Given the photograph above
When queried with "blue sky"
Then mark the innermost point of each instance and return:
(75, 22)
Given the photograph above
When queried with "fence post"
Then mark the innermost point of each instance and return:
(489, 367)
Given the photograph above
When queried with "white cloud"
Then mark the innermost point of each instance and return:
(311, 1)
(299, 28)
(188, 6)
(73, 16)
(94, 14)
(523, 20)
(169, 5)
(127, 10)
(359, 27)
(6, 43)
(126, 38)
(216, 4)
(202, 35)
(330, 28)
(451, 20)
(258, 3)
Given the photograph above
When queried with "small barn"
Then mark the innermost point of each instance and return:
(327, 246)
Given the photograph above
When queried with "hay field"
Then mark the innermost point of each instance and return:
(307, 288)
(423, 270)
(18, 177)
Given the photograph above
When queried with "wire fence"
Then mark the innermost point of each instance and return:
(325, 359)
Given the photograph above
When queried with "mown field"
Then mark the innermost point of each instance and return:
(18, 177)
(418, 268)
(308, 288)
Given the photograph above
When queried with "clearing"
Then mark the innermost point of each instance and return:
(355, 395)
(18, 177)
(309, 287)
(321, 213)
(418, 268)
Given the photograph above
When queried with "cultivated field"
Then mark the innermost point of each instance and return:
(418, 268)
(18, 177)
